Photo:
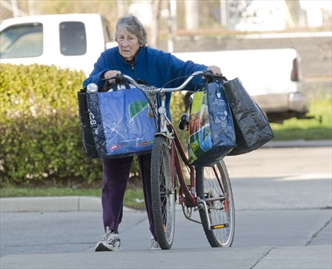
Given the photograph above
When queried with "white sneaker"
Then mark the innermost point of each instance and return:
(110, 242)
(154, 243)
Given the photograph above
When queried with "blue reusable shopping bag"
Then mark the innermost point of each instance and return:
(211, 127)
(120, 123)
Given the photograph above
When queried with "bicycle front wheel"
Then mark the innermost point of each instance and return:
(218, 218)
(163, 192)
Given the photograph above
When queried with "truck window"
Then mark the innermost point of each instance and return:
(20, 41)
(72, 38)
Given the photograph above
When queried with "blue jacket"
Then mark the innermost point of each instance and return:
(153, 66)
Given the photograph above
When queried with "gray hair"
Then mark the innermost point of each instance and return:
(132, 25)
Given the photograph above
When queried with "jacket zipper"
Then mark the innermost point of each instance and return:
(133, 70)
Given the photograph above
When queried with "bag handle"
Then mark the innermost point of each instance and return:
(119, 80)
(116, 84)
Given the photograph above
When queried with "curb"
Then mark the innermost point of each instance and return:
(301, 143)
(52, 204)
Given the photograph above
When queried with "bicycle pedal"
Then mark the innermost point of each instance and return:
(219, 226)
(184, 122)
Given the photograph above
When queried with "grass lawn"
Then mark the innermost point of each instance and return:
(133, 196)
(308, 129)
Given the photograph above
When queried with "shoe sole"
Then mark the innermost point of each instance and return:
(102, 247)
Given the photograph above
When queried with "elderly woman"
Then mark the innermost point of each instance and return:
(134, 58)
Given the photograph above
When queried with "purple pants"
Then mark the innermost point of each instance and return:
(115, 177)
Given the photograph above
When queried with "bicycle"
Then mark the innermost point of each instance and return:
(209, 190)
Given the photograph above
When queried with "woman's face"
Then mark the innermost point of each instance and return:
(128, 44)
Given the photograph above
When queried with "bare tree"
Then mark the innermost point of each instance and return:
(155, 23)
(192, 22)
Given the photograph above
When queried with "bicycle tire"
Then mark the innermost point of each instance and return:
(162, 193)
(210, 183)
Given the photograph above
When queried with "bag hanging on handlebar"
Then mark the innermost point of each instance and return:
(211, 128)
(252, 127)
(121, 125)
(86, 131)
(86, 119)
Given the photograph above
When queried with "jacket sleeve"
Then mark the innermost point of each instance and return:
(96, 75)
(181, 70)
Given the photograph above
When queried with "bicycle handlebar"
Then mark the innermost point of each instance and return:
(120, 78)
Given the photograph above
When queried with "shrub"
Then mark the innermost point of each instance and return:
(40, 129)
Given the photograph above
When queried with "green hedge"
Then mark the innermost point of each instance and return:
(40, 130)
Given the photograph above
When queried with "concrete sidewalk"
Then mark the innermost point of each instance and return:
(256, 257)
(312, 257)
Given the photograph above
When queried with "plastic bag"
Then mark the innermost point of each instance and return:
(86, 131)
(252, 127)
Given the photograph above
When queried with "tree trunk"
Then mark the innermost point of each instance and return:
(154, 24)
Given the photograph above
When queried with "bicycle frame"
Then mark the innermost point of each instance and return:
(167, 129)
(186, 195)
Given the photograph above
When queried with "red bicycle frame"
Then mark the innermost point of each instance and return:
(184, 192)
(189, 194)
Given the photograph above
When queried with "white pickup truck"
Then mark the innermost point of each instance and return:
(72, 41)
(75, 41)
(271, 76)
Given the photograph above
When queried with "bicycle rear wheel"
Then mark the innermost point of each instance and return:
(163, 192)
(219, 221)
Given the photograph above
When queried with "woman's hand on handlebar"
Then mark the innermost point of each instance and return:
(111, 74)
(214, 69)
(215, 72)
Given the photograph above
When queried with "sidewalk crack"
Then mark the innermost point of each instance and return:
(267, 253)
(316, 234)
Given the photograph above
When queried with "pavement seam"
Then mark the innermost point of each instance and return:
(267, 253)
(315, 234)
